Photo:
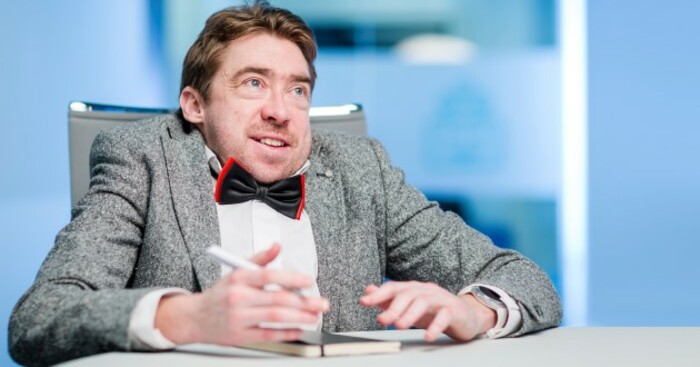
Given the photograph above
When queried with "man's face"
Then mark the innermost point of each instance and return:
(258, 107)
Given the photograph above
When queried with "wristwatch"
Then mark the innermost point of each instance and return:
(508, 317)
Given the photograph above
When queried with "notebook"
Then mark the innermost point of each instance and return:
(322, 344)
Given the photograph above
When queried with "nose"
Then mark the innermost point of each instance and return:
(275, 109)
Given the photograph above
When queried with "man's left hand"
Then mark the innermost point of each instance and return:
(431, 307)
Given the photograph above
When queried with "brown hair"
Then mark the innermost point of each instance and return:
(204, 57)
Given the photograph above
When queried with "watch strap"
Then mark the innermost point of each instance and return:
(509, 320)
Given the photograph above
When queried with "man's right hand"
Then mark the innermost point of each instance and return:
(229, 312)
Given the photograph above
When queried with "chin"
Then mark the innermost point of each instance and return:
(267, 175)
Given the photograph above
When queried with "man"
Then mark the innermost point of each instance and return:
(130, 271)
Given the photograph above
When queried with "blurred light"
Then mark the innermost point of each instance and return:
(574, 195)
(78, 106)
(435, 49)
(334, 110)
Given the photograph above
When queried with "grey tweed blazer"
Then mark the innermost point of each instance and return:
(149, 216)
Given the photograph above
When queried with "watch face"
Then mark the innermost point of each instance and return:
(488, 297)
(489, 293)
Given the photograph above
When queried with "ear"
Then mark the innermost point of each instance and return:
(192, 105)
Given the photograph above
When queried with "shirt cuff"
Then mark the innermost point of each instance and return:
(513, 315)
(142, 331)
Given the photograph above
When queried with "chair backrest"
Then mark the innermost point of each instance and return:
(86, 120)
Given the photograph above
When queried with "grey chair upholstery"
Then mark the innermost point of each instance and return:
(86, 120)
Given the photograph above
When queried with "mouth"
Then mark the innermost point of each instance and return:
(271, 142)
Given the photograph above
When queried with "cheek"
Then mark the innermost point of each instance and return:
(229, 139)
(306, 144)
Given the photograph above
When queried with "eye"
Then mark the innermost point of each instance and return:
(299, 91)
(255, 83)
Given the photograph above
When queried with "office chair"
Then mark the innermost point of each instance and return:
(86, 120)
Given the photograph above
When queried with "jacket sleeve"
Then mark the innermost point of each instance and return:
(427, 244)
(80, 303)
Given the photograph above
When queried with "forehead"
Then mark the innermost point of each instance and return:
(263, 50)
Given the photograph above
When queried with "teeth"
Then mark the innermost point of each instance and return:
(271, 142)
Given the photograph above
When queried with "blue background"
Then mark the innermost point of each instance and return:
(644, 181)
(486, 133)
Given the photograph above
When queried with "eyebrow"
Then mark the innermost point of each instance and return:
(297, 78)
(301, 79)
(251, 70)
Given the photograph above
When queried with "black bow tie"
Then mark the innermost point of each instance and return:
(235, 185)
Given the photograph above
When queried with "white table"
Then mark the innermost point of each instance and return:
(609, 346)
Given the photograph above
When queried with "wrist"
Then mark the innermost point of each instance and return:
(175, 319)
(486, 318)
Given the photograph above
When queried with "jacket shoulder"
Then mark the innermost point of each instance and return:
(141, 135)
(343, 146)
(140, 129)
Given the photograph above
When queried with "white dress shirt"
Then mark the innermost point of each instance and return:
(245, 229)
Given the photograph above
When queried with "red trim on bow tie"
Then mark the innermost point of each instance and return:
(303, 196)
(220, 180)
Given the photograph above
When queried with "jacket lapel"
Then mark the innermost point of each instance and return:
(324, 206)
(192, 195)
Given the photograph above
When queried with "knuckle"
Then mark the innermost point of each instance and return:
(422, 300)
(236, 276)
(236, 294)
(283, 298)
(232, 299)
(446, 313)
(275, 314)
(278, 298)
(267, 277)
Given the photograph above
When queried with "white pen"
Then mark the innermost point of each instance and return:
(235, 262)
(231, 260)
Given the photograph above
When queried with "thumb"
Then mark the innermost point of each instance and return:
(263, 258)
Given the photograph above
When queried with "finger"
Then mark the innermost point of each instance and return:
(370, 289)
(259, 334)
(260, 278)
(286, 298)
(275, 314)
(442, 320)
(383, 305)
(317, 304)
(242, 296)
(397, 307)
(415, 311)
(385, 292)
(263, 258)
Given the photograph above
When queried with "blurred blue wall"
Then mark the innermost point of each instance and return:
(492, 124)
(54, 52)
(644, 181)
(643, 93)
